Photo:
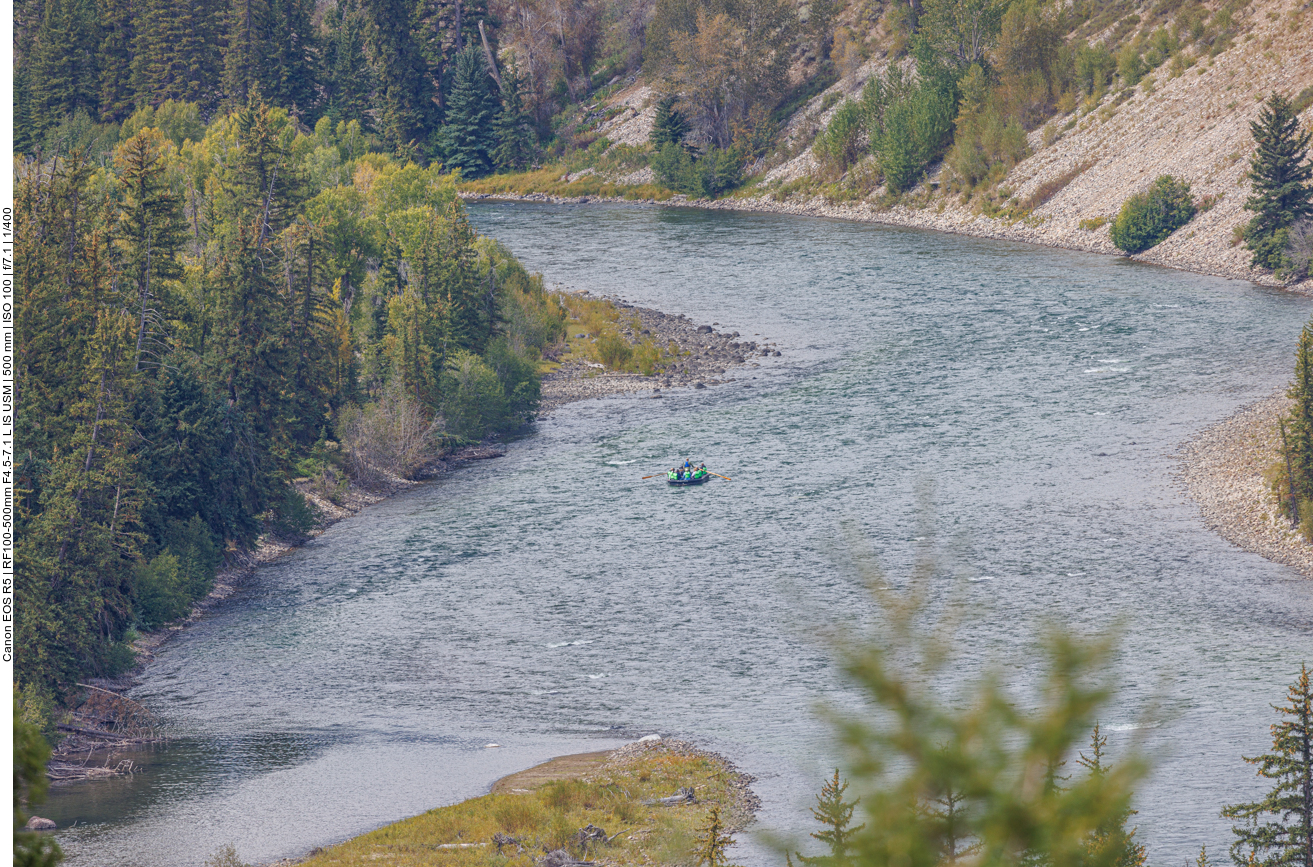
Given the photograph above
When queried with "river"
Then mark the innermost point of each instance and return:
(552, 602)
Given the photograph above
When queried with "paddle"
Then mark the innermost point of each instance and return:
(726, 478)
(654, 475)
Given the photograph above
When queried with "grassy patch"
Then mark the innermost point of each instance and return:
(616, 799)
(600, 332)
(556, 181)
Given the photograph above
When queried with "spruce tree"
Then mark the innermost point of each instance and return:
(516, 139)
(346, 76)
(1280, 174)
(1277, 831)
(469, 133)
(405, 94)
(836, 815)
(175, 54)
(669, 126)
(114, 60)
(149, 234)
(1110, 843)
(1299, 440)
(63, 75)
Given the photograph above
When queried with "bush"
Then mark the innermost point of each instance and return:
(518, 374)
(613, 350)
(474, 403)
(391, 437)
(293, 516)
(192, 543)
(159, 592)
(714, 172)
(1147, 218)
(843, 140)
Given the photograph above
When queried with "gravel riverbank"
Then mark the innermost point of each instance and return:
(705, 356)
(1223, 470)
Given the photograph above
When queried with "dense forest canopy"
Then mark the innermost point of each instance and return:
(204, 320)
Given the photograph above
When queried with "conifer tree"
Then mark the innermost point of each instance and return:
(516, 139)
(404, 101)
(149, 234)
(114, 60)
(175, 52)
(1299, 433)
(836, 815)
(63, 76)
(347, 77)
(469, 134)
(1110, 843)
(712, 841)
(1277, 831)
(669, 126)
(1280, 174)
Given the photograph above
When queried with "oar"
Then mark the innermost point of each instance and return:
(726, 478)
(654, 475)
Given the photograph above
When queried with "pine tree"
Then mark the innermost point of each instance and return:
(835, 814)
(404, 97)
(175, 52)
(1280, 174)
(516, 139)
(442, 29)
(347, 77)
(245, 57)
(469, 135)
(1298, 434)
(63, 75)
(114, 60)
(149, 234)
(1277, 831)
(669, 126)
(1110, 843)
(712, 841)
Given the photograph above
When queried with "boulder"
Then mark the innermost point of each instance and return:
(36, 823)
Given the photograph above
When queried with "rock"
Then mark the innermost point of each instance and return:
(704, 329)
(699, 384)
(36, 823)
(776, 353)
(649, 739)
(559, 858)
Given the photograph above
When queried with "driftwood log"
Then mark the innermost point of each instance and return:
(683, 796)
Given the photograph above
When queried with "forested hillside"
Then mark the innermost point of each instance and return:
(208, 312)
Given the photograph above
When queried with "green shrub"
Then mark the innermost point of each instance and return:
(159, 592)
(613, 350)
(843, 141)
(1094, 68)
(1130, 66)
(474, 402)
(1147, 218)
(518, 374)
(714, 172)
(293, 516)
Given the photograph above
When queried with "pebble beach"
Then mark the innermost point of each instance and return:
(1225, 469)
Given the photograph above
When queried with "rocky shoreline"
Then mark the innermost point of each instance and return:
(1224, 470)
(1196, 256)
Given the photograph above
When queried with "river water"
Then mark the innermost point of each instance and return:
(552, 602)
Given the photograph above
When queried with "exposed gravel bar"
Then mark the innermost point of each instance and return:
(710, 355)
(1223, 468)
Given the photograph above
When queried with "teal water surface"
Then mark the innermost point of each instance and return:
(552, 602)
